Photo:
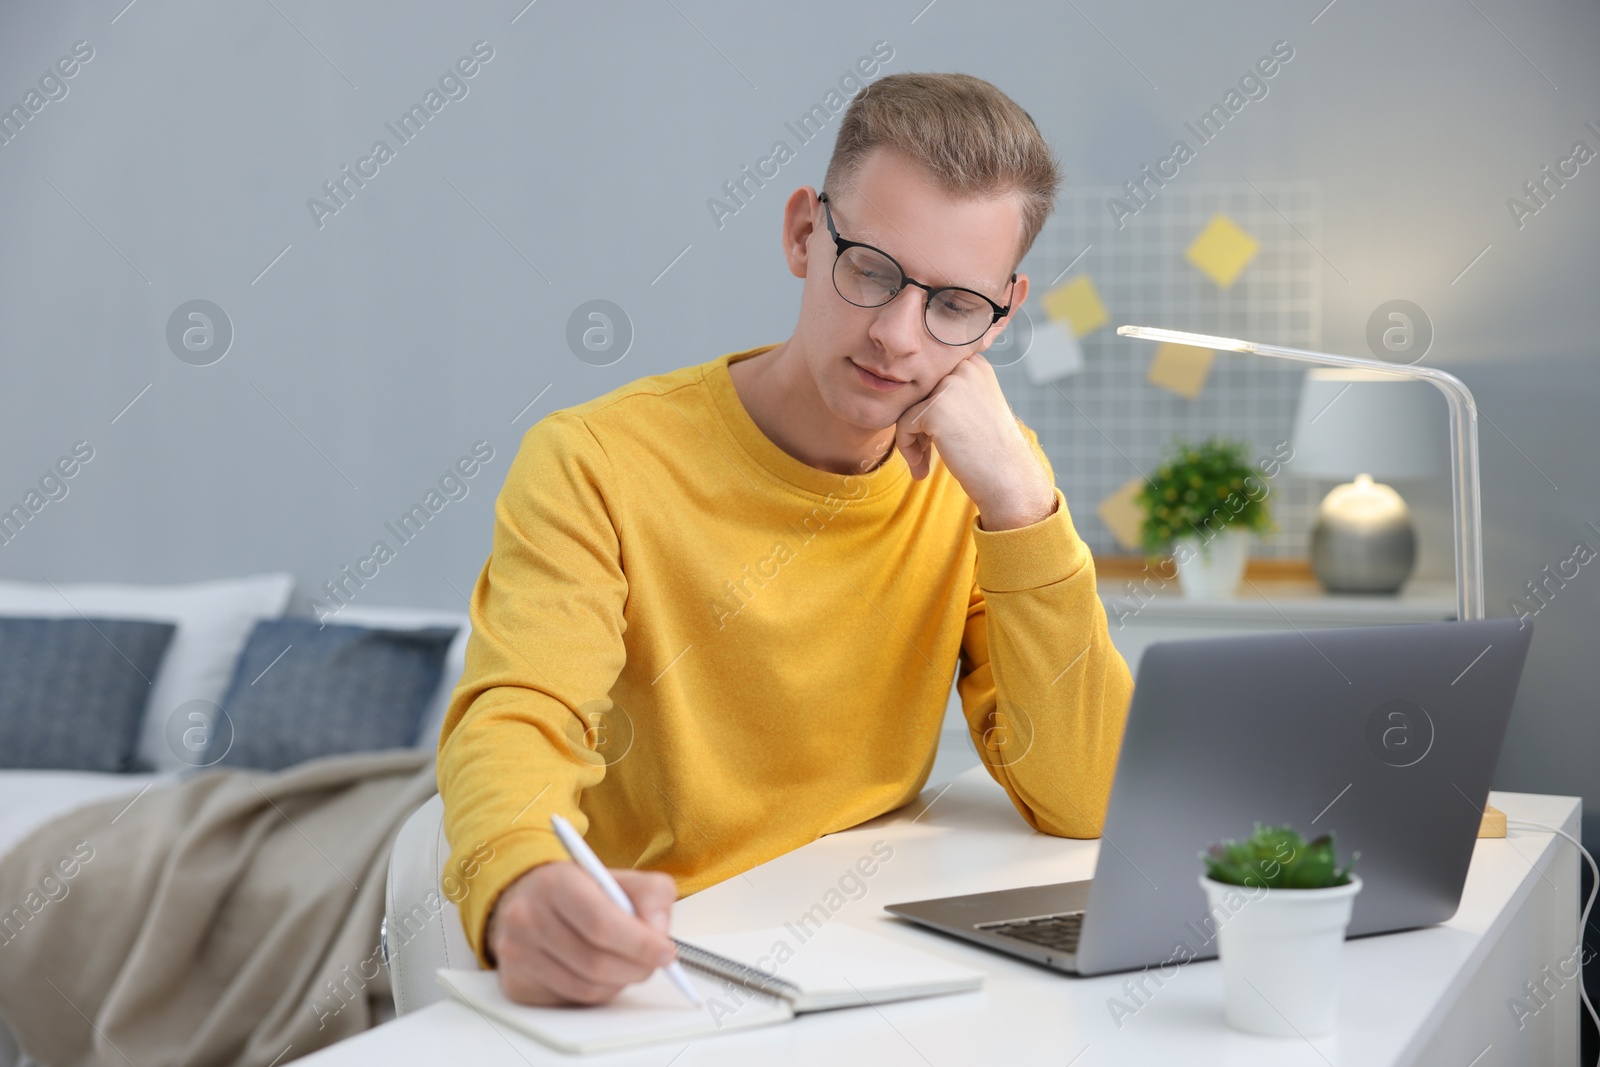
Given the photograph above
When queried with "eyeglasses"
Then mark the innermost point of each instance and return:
(869, 277)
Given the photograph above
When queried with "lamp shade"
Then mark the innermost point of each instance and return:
(1352, 422)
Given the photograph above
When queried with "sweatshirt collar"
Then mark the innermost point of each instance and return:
(889, 477)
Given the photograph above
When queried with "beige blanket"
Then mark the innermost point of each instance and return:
(228, 918)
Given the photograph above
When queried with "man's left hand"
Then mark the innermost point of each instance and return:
(977, 435)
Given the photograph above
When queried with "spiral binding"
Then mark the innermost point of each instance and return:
(734, 971)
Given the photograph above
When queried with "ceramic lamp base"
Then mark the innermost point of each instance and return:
(1363, 540)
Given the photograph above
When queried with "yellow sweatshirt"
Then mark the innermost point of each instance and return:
(706, 653)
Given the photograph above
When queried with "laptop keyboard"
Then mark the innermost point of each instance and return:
(1059, 932)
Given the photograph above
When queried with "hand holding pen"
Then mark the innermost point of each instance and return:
(555, 936)
(585, 858)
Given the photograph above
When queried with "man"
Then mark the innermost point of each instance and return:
(724, 604)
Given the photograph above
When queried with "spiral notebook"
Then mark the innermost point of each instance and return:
(747, 979)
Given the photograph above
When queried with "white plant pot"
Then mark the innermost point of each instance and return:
(1212, 571)
(1280, 952)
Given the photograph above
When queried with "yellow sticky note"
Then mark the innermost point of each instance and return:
(1181, 368)
(1077, 304)
(1123, 514)
(1222, 250)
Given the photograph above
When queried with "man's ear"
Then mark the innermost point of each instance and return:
(1019, 293)
(800, 215)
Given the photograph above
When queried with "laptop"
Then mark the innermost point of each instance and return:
(1384, 736)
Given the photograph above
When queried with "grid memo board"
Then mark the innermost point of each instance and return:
(1106, 424)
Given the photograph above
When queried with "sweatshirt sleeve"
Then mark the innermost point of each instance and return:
(519, 737)
(1043, 690)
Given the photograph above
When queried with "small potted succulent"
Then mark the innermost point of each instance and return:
(1203, 505)
(1281, 908)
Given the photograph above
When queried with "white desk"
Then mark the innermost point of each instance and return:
(1436, 995)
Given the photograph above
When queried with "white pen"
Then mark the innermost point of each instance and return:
(584, 857)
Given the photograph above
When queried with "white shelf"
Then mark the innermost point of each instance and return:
(1271, 602)
(1262, 606)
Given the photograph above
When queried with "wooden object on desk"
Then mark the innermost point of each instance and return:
(1255, 570)
(1494, 822)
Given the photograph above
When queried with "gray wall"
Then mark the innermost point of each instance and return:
(430, 311)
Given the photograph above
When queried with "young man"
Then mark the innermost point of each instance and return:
(724, 604)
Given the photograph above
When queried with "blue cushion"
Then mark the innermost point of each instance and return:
(301, 690)
(73, 691)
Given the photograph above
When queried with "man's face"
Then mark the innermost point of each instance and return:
(936, 240)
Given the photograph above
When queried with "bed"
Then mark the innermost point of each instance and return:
(214, 626)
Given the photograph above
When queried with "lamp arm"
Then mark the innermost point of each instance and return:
(1466, 498)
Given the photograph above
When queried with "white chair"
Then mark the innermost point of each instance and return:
(421, 928)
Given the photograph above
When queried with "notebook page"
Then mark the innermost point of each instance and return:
(648, 1013)
(839, 966)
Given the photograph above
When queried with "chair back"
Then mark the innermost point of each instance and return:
(421, 927)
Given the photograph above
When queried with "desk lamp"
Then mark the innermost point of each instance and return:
(1467, 514)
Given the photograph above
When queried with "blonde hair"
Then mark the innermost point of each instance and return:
(971, 139)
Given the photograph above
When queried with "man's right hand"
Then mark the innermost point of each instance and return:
(556, 938)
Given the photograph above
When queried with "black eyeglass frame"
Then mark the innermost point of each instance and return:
(840, 244)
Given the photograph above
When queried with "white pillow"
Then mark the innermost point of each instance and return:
(213, 618)
(455, 660)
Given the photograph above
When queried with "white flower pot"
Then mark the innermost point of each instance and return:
(1280, 952)
(1212, 570)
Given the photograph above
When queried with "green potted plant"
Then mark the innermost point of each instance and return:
(1203, 505)
(1281, 906)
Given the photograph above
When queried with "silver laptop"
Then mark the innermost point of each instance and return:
(1385, 736)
